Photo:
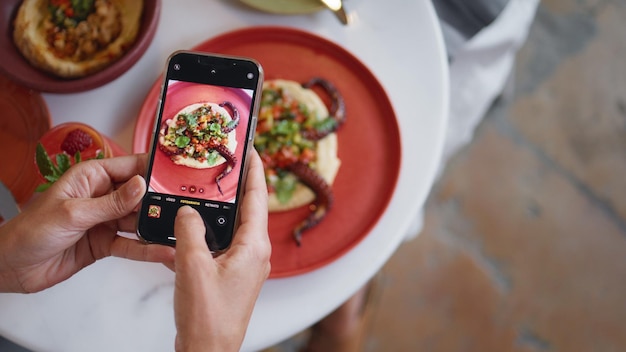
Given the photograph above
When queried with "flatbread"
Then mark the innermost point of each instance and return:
(327, 163)
(30, 37)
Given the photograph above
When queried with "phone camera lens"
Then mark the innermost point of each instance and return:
(176, 67)
(213, 71)
(250, 75)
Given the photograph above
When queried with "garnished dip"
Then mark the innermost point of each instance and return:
(279, 139)
(196, 134)
(75, 38)
(296, 140)
(78, 29)
(201, 136)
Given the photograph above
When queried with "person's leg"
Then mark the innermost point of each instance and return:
(342, 330)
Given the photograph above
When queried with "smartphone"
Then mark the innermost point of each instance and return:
(206, 117)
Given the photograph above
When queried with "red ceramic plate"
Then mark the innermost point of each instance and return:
(369, 141)
(25, 119)
(15, 66)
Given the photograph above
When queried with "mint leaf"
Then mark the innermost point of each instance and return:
(42, 187)
(51, 178)
(45, 165)
(52, 172)
(63, 162)
(47, 169)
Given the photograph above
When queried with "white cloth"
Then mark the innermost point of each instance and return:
(479, 70)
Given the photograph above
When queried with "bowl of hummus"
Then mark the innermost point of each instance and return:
(66, 46)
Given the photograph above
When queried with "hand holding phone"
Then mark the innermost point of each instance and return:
(216, 296)
(203, 130)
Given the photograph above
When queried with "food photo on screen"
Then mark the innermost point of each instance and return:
(201, 141)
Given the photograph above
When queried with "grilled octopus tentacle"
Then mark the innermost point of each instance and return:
(235, 121)
(231, 161)
(323, 200)
(337, 109)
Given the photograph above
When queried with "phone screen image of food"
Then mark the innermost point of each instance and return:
(197, 159)
(201, 141)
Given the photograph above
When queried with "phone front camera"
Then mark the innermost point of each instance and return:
(250, 75)
(176, 67)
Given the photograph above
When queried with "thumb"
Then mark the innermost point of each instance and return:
(116, 204)
(189, 231)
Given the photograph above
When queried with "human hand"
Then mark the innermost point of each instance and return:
(214, 297)
(74, 223)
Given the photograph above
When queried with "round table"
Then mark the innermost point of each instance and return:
(120, 305)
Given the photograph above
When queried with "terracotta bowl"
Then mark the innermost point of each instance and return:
(16, 67)
(25, 118)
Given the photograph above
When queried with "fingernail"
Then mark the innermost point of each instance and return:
(185, 210)
(132, 188)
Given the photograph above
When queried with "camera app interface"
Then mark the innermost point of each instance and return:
(200, 144)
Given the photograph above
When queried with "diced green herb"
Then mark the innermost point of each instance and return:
(327, 124)
(284, 187)
(191, 120)
(212, 157)
(215, 128)
(182, 141)
(231, 124)
(82, 9)
(285, 127)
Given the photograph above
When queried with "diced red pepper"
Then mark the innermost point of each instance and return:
(307, 155)
(285, 156)
(262, 126)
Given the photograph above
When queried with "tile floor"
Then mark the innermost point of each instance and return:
(524, 246)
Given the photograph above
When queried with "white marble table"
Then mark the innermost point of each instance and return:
(119, 305)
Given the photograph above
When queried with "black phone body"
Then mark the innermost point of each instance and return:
(205, 123)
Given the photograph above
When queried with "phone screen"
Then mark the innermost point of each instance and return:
(204, 127)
